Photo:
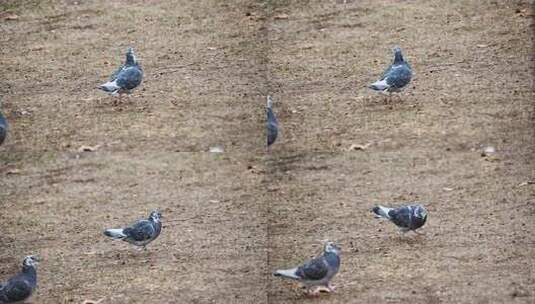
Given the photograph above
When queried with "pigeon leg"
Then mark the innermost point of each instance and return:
(318, 289)
(327, 288)
(314, 292)
(418, 233)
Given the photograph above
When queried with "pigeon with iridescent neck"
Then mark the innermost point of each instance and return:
(396, 77)
(126, 78)
(21, 286)
(407, 218)
(140, 233)
(316, 274)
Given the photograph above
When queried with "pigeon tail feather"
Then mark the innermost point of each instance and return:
(287, 273)
(381, 212)
(115, 233)
(110, 86)
(380, 85)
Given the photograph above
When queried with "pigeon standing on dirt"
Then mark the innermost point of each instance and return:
(140, 233)
(127, 77)
(396, 77)
(316, 274)
(406, 218)
(272, 125)
(21, 286)
(3, 128)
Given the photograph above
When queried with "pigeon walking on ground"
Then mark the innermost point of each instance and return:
(316, 274)
(406, 218)
(396, 77)
(140, 233)
(3, 128)
(272, 124)
(21, 286)
(127, 77)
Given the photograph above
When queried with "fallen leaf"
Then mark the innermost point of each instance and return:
(88, 148)
(526, 183)
(93, 301)
(37, 48)
(13, 171)
(281, 17)
(359, 147)
(11, 17)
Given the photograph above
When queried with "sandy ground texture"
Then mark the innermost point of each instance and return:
(230, 219)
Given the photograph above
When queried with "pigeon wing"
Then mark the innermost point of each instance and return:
(16, 290)
(129, 77)
(313, 270)
(386, 73)
(398, 76)
(401, 216)
(272, 127)
(114, 74)
(140, 231)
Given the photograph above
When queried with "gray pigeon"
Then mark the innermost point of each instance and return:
(406, 218)
(21, 286)
(3, 128)
(397, 76)
(316, 273)
(127, 77)
(140, 233)
(272, 124)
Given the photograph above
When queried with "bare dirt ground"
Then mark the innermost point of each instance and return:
(232, 218)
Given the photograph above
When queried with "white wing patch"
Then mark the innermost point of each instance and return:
(380, 85)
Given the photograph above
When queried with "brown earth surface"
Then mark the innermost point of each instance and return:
(230, 219)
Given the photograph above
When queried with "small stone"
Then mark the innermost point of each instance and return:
(11, 17)
(488, 150)
(216, 149)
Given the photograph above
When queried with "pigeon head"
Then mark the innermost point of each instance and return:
(331, 247)
(155, 216)
(269, 101)
(420, 212)
(130, 56)
(398, 57)
(30, 261)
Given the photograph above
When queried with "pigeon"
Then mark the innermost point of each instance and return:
(3, 128)
(21, 286)
(396, 77)
(127, 77)
(140, 233)
(272, 124)
(316, 274)
(406, 218)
